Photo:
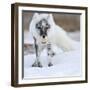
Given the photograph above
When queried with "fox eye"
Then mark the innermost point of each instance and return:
(47, 26)
(38, 26)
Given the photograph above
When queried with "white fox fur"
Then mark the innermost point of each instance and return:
(56, 35)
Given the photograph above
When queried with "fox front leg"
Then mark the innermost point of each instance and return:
(50, 54)
(37, 52)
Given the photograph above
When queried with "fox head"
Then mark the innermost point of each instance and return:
(41, 25)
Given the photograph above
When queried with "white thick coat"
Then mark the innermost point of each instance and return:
(56, 35)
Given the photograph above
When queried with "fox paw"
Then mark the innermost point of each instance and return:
(50, 64)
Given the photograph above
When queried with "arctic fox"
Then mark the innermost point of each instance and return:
(45, 33)
(55, 34)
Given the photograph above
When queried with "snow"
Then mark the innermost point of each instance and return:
(65, 64)
(75, 35)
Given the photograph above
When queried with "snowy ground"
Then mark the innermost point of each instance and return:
(65, 64)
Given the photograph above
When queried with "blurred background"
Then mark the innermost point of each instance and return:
(69, 22)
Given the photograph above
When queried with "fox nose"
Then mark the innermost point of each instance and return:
(43, 36)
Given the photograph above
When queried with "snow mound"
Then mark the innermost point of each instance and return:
(65, 64)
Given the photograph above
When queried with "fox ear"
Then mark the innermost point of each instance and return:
(35, 15)
(50, 16)
(51, 19)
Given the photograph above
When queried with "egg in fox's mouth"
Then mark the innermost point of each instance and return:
(44, 41)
